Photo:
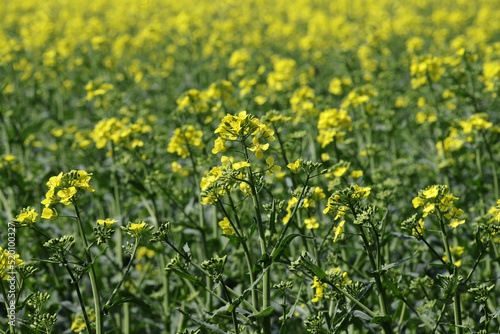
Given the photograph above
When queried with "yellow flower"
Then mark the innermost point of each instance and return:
(27, 217)
(271, 167)
(339, 171)
(319, 286)
(240, 165)
(454, 213)
(455, 222)
(294, 167)
(339, 230)
(311, 223)
(55, 181)
(66, 195)
(260, 100)
(136, 229)
(432, 192)
(419, 229)
(219, 146)
(247, 190)
(106, 222)
(258, 148)
(50, 198)
(417, 201)
(6, 263)
(356, 174)
(361, 192)
(49, 213)
(226, 226)
(428, 209)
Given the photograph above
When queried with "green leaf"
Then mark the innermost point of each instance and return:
(447, 266)
(20, 305)
(204, 324)
(273, 218)
(278, 250)
(388, 283)
(292, 309)
(496, 313)
(263, 314)
(317, 271)
(229, 307)
(131, 299)
(185, 275)
(361, 315)
(397, 263)
(381, 320)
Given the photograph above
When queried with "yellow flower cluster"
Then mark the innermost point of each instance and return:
(221, 179)
(424, 68)
(491, 75)
(66, 186)
(184, 140)
(337, 86)
(27, 217)
(309, 202)
(226, 226)
(319, 286)
(331, 124)
(360, 96)
(302, 102)
(78, 324)
(8, 261)
(437, 196)
(94, 89)
(9, 161)
(240, 127)
(282, 77)
(468, 130)
(207, 102)
(120, 132)
(338, 201)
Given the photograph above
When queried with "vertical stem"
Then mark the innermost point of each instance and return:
(201, 217)
(245, 248)
(480, 181)
(378, 282)
(164, 275)
(125, 320)
(266, 294)
(93, 279)
(456, 300)
(12, 329)
(115, 291)
(78, 292)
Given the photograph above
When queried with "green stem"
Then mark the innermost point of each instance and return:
(93, 278)
(354, 300)
(456, 300)
(480, 180)
(245, 247)
(110, 299)
(439, 319)
(266, 293)
(78, 292)
(164, 276)
(283, 232)
(233, 313)
(125, 320)
(378, 282)
(188, 259)
(201, 218)
(4, 293)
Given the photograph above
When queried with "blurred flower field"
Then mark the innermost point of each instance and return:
(249, 166)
